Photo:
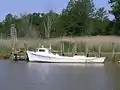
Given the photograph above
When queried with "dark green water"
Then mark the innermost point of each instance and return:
(43, 76)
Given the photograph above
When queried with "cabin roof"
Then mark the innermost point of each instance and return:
(43, 48)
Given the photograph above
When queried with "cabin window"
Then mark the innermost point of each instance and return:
(41, 50)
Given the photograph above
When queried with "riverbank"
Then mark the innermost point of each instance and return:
(108, 46)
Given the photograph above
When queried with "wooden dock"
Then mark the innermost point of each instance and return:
(112, 55)
(20, 55)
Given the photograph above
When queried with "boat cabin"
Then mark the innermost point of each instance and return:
(43, 50)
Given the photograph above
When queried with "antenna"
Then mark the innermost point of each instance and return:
(42, 46)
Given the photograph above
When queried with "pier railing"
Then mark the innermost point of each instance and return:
(110, 51)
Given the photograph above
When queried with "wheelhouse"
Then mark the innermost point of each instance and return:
(43, 50)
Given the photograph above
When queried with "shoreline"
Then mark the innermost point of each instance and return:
(108, 46)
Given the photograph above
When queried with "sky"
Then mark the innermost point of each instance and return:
(29, 6)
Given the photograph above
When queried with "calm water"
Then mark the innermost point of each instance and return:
(38, 76)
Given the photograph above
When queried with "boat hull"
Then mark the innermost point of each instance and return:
(62, 59)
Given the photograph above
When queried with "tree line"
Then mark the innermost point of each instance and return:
(79, 18)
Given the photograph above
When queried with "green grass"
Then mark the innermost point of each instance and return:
(5, 50)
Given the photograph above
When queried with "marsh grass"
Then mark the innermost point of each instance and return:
(92, 43)
(4, 50)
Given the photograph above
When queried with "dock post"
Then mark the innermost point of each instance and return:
(69, 46)
(86, 49)
(62, 48)
(75, 49)
(113, 50)
(99, 50)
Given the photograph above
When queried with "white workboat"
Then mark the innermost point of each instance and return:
(45, 55)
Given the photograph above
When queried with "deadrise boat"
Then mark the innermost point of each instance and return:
(45, 55)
